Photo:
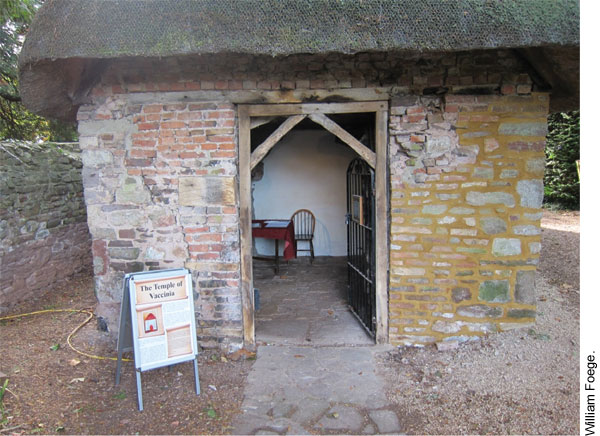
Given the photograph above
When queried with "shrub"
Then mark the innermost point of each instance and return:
(561, 180)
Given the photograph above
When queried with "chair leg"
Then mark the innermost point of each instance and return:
(312, 252)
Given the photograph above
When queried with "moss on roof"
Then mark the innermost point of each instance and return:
(116, 28)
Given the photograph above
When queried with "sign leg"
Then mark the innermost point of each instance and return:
(118, 377)
(123, 330)
(195, 362)
(138, 379)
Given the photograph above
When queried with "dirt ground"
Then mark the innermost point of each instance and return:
(522, 381)
(55, 390)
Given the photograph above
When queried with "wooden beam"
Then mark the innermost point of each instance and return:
(262, 150)
(381, 228)
(259, 121)
(330, 125)
(246, 226)
(276, 97)
(315, 108)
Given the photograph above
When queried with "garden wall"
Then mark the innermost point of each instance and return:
(44, 237)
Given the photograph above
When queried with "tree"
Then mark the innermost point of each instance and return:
(561, 180)
(16, 122)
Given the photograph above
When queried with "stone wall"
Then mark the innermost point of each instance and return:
(466, 193)
(43, 231)
(159, 147)
(160, 187)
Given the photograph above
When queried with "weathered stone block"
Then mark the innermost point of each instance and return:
(483, 173)
(409, 271)
(446, 220)
(207, 191)
(434, 209)
(523, 129)
(461, 294)
(132, 190)
(536, 166)
(462, 210)
(525, 287)
(521, 313)
(438, 145)
(481, 327)
(509, 174)
(490, 144)
(127, 217)
(446, 327)
(152, 253)
(494, 291)
(127, 253)
(531, 192)
(506, 247)
(493, 225)
(480, 311)
(476, 198)
(96, 158)
(527, 230)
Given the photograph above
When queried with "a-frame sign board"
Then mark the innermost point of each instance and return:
(157, 323)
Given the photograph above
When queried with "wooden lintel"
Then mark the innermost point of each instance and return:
(330, 125)
(315, 108)
(262, 150)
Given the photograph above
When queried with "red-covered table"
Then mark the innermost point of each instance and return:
(277, 230)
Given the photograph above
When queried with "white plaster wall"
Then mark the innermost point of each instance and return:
(306, 170)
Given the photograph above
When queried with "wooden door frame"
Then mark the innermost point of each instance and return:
(377, 160)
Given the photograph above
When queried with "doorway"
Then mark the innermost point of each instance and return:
(321, 114)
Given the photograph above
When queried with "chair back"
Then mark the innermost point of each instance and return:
(304, 224)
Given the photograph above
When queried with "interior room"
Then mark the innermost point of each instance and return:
(305, 300)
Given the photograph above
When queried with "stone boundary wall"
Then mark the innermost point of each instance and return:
(44, 237)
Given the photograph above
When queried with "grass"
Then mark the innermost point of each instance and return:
(3, 410)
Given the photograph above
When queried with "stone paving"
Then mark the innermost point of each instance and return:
(306, 304)
(315, 366)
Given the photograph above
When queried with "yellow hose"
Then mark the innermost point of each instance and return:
(89, 318)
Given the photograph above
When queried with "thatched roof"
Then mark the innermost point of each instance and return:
(105, 29)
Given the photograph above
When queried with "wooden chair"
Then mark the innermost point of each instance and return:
(304, 230)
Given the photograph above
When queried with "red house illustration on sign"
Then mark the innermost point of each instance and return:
(150, 323)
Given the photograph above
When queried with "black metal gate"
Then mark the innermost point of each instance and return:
(360, 221)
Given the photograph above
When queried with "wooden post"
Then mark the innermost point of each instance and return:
(246, 225)
(381, 226)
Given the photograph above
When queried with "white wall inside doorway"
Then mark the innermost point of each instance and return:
(306, 170)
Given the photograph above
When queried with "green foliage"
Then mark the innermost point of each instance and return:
(561, 181)
(3, 389)
(16, 122)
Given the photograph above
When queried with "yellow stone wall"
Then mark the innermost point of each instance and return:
(466, 191)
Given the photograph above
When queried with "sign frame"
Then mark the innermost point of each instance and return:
(167, 326)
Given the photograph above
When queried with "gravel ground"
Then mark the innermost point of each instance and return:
(523, 381)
